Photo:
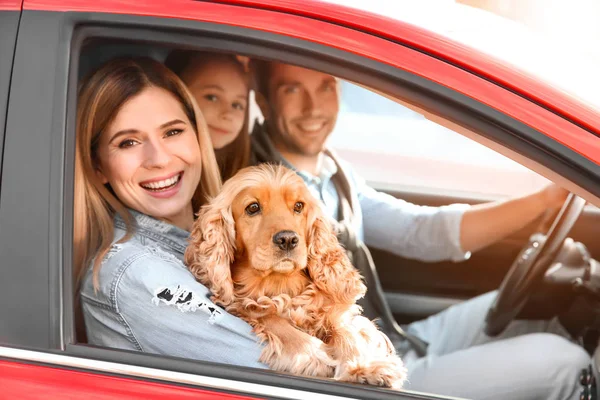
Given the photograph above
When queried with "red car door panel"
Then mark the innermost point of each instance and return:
(27, 381)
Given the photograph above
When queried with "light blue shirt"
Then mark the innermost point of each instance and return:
(384, 222)
(149, 301)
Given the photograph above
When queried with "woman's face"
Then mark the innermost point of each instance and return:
(151, 158)
(221, 92)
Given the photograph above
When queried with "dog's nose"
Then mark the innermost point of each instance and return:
(286, 240)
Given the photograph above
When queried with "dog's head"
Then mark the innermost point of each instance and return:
(270, 217)
(265, 220)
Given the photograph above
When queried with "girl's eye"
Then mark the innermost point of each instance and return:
(298, 207)
(173, 132)
(253, 209)
(211, 97)
(238, 106)
(127, 143)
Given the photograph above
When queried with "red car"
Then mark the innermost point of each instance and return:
(451, 90)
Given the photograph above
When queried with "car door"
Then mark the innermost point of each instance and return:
(37, 297)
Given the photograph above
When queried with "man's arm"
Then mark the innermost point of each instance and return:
(487, 223)
(448, 232)
(423, 233)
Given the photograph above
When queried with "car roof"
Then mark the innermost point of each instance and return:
(443, 43)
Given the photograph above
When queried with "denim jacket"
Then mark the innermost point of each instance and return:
(149, 301)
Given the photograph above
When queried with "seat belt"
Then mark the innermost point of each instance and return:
(374, 303)
(363, 261)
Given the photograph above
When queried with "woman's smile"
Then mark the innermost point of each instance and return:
(163, 187)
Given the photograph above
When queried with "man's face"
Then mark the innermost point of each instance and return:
(303, 108)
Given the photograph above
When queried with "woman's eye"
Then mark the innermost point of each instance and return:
(298, 207)
(173, 132)
(127, 143)
(253, 209)
(211, 97)
(238, 106)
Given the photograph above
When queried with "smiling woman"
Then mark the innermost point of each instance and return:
(137, 126)
(144, 166)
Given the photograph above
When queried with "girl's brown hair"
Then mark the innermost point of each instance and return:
(236, 155)
(100, 98)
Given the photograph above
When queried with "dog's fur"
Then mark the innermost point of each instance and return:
(300, 298)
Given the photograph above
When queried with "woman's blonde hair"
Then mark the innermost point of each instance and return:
(100, 98)
(235, 155)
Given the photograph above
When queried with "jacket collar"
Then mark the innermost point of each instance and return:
(160, 231)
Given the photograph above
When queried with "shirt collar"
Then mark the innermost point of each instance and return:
(328, 169)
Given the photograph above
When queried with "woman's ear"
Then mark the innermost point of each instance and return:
(211, 251)
(328, 264)
(263, 104)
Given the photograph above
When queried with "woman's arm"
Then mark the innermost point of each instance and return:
(155, 305)
(487, 223)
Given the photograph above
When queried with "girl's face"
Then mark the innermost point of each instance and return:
(151, 158)
(221, 91)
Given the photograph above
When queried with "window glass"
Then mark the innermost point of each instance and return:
(390, 144)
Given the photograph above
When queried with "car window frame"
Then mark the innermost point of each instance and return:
(77, 27)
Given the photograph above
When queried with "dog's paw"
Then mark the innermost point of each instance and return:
(381, 371)
(313, 360)
(304, 357)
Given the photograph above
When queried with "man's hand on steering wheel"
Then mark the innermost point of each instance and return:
(554, 196)
(534, 259)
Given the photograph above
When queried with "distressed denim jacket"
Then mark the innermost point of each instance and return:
(149, 301)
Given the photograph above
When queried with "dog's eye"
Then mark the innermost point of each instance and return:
(253, 209)
(298, 207)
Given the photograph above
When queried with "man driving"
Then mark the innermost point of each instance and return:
(529, 360)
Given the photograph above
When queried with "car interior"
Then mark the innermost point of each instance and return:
(539, 277)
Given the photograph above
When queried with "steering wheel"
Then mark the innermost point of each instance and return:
(529, 267)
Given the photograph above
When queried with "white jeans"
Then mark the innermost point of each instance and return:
(529, 360)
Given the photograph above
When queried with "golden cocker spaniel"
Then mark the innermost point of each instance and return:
(270, 256)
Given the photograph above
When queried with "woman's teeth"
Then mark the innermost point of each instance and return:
(162, 185)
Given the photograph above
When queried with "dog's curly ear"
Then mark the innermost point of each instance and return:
(328, 264)
(211, 251)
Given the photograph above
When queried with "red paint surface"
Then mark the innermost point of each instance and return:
(386, 51)
(28, 382)
(10, 5)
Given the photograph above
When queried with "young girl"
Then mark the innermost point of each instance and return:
(220, 85)
(144, 165)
